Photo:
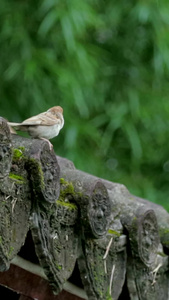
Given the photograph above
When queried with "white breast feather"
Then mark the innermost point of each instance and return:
(47, 132)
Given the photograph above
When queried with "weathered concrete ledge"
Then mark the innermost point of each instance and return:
(78, 219)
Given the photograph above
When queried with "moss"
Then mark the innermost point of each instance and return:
(0, 239)
(18, 153)
(164, 231)
(67, 188)
(36, 170)
(164, 235)
(59, 267)
(11, 249)
(114, 232)
(162, 254)
(62, 181)
(109, 297)
(165, 242)
(66, 204)
(20, 179)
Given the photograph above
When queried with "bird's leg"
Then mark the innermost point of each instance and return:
(49, 143)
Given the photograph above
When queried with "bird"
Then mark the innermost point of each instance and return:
(44, 126)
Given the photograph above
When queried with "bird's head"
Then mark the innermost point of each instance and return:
(56, 109)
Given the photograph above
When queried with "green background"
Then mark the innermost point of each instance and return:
(106, 63)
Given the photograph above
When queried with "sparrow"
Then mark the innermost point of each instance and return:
(44, 126)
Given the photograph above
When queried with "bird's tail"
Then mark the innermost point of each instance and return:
(17, 126)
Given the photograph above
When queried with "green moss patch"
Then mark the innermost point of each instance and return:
(18, 153)
(37, 173)
(68, 205)
(114, 232)
(67, 190)
(18, 178)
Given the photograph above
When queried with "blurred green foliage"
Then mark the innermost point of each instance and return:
(106, 63)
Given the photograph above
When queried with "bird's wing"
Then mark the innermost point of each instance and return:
(45, 118)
